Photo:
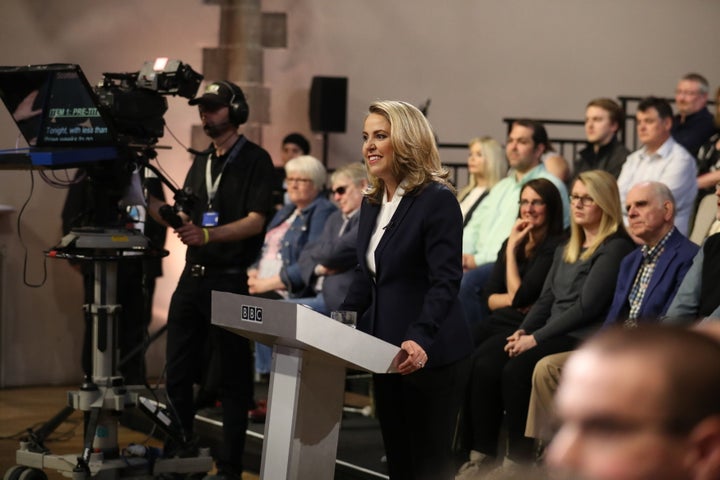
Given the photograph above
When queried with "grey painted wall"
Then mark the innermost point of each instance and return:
(479, 60)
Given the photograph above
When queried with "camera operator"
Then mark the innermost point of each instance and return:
(224, 234)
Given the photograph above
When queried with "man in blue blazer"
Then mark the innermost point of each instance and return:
(650, 275)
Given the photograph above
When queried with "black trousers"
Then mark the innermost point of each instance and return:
(189, 328)
(418, 417)
(500, 384)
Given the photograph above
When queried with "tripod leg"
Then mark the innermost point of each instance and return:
(38, 437)
(90, 427)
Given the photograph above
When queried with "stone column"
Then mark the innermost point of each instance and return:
(244, 32)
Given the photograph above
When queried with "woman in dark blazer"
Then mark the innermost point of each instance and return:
(405, 290)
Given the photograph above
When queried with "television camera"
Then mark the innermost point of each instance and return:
(110, 132)
(136, 101)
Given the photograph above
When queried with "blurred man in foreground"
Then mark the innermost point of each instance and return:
(640, 403)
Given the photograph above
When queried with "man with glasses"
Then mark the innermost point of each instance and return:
(693, 124)
(661, 159)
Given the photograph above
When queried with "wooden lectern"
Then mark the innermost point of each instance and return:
(307, 382)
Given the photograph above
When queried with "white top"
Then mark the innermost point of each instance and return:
(470, 199)
(387, 210)
(672, 165)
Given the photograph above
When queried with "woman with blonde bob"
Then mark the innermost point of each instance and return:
(409, 246)
(486, 166)
(573, 304)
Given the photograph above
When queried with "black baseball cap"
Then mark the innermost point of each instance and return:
(216, 94)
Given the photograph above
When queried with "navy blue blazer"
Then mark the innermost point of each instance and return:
(669, 272)
(413, 295)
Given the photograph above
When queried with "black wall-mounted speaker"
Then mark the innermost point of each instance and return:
(328, 104)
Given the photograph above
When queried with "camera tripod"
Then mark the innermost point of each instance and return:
(103, 396)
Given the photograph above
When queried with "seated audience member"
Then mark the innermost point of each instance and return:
(698, 297)
(328, 262)
(709, 157)
(572, 305)
(661, 159)
(641, 404)
(486, 167)
(651, 275)
(693, 124)
(493, 219)
(293, 145)
(603, 119)
(277, 273)
(523, 260)
(648, 280)
(556, 163)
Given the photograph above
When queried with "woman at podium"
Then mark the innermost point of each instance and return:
(405, 290)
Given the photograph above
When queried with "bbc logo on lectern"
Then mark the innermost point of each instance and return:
(251, 314)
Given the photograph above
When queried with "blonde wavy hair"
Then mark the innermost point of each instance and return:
(416, 160)
(603, 189)
(496, 165)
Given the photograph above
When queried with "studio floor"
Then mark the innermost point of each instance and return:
(23, 408)
(358, 456)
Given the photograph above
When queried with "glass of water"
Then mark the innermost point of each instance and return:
(346, 317)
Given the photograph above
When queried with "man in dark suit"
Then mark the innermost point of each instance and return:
(650, 276)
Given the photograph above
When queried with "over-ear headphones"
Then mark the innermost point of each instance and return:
(238, 106)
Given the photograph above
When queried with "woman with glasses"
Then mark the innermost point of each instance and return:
(297, 223)
(277, 273)
(523, 260)
(575, 298)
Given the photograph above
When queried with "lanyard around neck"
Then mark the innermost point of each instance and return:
(211, 185)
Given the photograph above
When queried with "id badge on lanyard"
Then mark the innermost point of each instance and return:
(210, 217)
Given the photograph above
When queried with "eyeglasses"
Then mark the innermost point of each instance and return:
(534, 203)
(339, 190)
(687, 93)
(297, 180)
(585, 200)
